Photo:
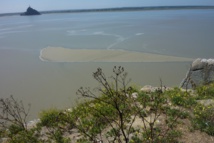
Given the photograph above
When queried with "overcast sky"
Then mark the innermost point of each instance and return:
(7, 6)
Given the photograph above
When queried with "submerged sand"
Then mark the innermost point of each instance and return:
(60, 54)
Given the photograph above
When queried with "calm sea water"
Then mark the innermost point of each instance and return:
(184, 33)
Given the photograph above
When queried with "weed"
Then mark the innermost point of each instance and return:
(204, 118)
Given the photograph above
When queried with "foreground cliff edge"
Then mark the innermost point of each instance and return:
(30, 11)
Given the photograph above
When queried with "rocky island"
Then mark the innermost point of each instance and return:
(30, 11)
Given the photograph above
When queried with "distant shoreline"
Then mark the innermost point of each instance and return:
(118, 9)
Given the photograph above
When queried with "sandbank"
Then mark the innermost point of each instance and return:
(60, 54)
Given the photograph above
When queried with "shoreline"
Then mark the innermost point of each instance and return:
(119, 9)
(60, 54)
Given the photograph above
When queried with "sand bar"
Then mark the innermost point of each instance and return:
(59, 54)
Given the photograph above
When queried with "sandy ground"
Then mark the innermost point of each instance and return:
(59, 54)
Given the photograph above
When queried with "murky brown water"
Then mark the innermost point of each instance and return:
(48, 84)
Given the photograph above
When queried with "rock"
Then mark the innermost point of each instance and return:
(30, 11)
(206, 102)
(198, 64)
(33, 123)
(4, 140)
(201, 72)
(135, 95)
(167, 89)
(147, 89)
(210, 62)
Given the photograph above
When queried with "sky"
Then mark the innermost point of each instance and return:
(9, 6)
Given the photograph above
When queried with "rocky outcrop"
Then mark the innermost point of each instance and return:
(30, 11)
(150, 89)
(201, 72)
(206, 102)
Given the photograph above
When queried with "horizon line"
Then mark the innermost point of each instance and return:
(131, 8)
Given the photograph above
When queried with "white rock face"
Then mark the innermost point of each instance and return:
(200, 72)
(33, 123)
(210, 62)
(135, 95)
(147, 88)
(199, 63)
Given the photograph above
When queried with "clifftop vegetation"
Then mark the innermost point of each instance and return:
(119, 113)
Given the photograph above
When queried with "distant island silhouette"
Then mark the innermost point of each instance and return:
(30, 11)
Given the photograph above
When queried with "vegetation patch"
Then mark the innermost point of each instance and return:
(114, 112)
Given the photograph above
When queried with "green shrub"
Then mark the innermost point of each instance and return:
(56, 121)
(112, 112)
(18, 135)
(112, 106)
(49, 118)
(204, 118)
(14, 129)
(58, 137)
(180, 98)
(205, 91)
(170, 137)
(176, 112)
(93, 117)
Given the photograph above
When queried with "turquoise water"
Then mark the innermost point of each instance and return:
(185, 33)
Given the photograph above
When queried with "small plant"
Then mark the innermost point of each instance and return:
(55, 122)
(22, 136)
(111, 113)
(49, 118)
(176, 112)
(180, 98)
(90, 118)
(204, 118)
(13, 112)
(113, 107)
(13, 117)
(205, 91)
